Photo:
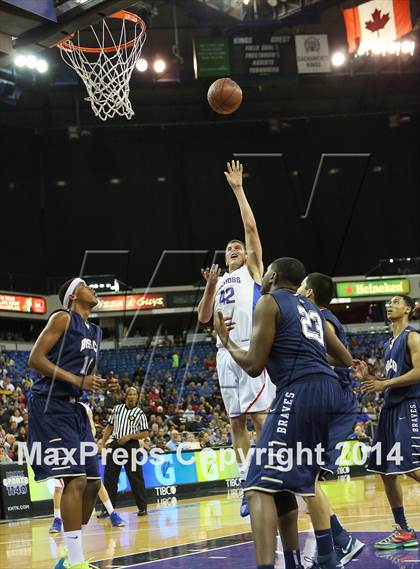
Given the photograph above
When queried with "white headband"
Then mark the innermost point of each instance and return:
(72, 287)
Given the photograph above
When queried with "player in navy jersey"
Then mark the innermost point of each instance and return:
(290, 339)
(398, 431)
(65, 355)
(319, 288)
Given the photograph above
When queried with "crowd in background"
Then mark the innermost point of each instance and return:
(181, 406)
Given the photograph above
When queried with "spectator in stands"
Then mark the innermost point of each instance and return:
(174, 441)
(9, 445)
(205, 390)
(6, 387)
(22, 436)
(360, 434)
(26, 387)
(12, 428)
(371, 412)
(4, 416)
(189, 413)
(224, 439)
(154, 433)
(190, 442)
(16, 417)
(10, 362)
(210, 362)
(4, 458)
(204, 439)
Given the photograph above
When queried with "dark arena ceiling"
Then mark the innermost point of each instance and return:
(70, 182)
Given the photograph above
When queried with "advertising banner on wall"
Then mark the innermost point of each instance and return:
(123, 302)
(22, 303)
(383, 287)
(15, 499)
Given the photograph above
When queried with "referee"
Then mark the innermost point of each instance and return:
(127, 425)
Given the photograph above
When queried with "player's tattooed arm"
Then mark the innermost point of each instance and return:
(38, 360)
(255, 264)
(265, 322)
(206, 305)
(372, 384)
(339, 355)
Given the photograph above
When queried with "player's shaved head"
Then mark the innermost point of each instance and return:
(322, 286)
(289, 271)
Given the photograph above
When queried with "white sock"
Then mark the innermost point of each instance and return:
(73, 540)
(243, 467)
(57, 513)
(243, 470)
(109, 507)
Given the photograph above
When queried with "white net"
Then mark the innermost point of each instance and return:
(106, 68)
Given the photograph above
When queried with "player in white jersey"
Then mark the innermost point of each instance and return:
(236, 294)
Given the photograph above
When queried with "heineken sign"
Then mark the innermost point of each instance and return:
(384, 287)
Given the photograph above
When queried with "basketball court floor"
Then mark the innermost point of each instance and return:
(208, 533)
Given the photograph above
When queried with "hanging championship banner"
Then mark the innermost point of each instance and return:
(312, 53)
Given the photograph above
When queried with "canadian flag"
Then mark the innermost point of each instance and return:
(384, 20)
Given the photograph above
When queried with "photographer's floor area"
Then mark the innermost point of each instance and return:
(208, 532)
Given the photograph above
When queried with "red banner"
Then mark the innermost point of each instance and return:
(120, 303)
(18, 303)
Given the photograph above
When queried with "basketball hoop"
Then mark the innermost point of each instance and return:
(106, 68)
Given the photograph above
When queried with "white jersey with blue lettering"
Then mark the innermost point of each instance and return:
(236, 295)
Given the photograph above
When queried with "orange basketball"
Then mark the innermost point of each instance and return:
(224, 96)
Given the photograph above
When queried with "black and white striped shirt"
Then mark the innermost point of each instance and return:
(126, 421)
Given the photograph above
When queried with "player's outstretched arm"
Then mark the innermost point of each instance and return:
(266, 318)
(339, 355)
(374, 385)
(206, 305)
(252, 239)
(38, 360)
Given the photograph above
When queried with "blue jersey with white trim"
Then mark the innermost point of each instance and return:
(76, 352)
(344, 374)
(298, 349)
(397, 363)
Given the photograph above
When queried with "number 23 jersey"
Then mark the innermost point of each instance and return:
(236, 295)
(298, 348)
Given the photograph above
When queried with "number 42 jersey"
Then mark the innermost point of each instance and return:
(299, 348)
(236, 295)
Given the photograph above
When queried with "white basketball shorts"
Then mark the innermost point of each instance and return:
(242, 393)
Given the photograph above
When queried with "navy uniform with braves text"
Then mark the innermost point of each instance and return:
(349, 409)
(398, 431)
(63, 424)
(307, 403)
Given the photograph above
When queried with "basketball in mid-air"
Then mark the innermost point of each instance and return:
(224, 96)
